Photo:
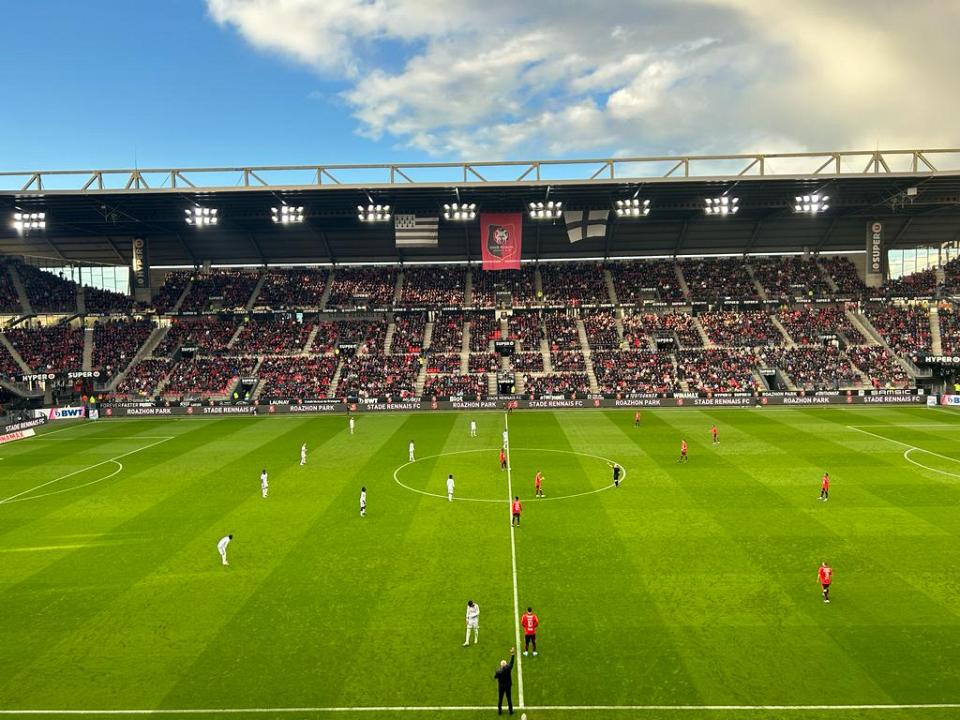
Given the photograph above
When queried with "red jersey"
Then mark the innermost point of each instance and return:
(825, 575)
(683, 447)
(636, 417)
(503, 456)
(530, 623)
(713, 430)
(538, 481)
(825, 482)
(516, 507)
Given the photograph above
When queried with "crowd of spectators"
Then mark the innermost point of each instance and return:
(652, 280)
(443, 363)
(447, 333)
(206, 377)
(481, 362)
(918, 284)
(293, 288)
(220, 290)
(879, 366)
(521, 284)
(170, 291)
(484, 327)
(556, 384)
(567, 361)
(271, 337)
(905, 328)
(359, 286)
(741, 329)
(951, 276)
(325, 339)
(433, 286)
(48, 293)
(105, 302)
(392, 377)
(209, 335)
(116, 342)
(369, 335)
(790, 277)
(8, 366)
(296, 378)
(144, 378)
(717, 370)
(634, 371)
(813, 367)
(444, 386)
(408, 333)
(50, 348)
(601, 329)
(807, 324)
(9, 300)
(844, 275)
(574, 284)
(561, 331)
(949, 329)
(718, 279)
(524, 327)
(527, 362)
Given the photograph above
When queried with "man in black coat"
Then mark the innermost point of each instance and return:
(504, 680)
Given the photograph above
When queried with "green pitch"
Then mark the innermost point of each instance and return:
(690, 585)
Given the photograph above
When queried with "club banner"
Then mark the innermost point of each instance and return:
(501, 235)
(874, 274)
(140, 263)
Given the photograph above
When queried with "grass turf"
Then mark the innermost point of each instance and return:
(690, 585)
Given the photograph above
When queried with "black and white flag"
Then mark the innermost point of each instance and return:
(416, 231)
(585, 223)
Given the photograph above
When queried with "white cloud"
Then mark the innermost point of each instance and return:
(493, 78)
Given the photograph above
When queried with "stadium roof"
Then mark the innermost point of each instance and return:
(92, 215)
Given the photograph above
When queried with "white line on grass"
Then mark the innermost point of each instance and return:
(475, 708)
(913, 448)
(114, 459)
(513, 557)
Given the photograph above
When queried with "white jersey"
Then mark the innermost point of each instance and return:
(351, 424)
(450, 486)
(473, 426)
(263, 480)
(363, 499)
(473, 615)
(222, 545)
(411, 448)
(303, 451)
(505, 438)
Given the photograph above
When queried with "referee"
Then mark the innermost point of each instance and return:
(504, 680)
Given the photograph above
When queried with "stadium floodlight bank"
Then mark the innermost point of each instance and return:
(462, 212)
(25, 222)
(811, 204)
(287, 214)
(546, 210)
(721, 205)
(373, 213)
(632, 208)
(201, 217)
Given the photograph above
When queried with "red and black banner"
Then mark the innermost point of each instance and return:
(501, 235)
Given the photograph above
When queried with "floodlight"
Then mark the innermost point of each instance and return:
(373, 213)
(287, 214)
(721, 205)
(634, 207)
(24, 222)
(201, 217)
(546, 210)
(811, 204)
(462, 212)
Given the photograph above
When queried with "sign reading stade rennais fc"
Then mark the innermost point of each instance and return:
(501, 235)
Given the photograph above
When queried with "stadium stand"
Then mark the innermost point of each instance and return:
(116, 342)
(717, 370)
(296, 378)
(295, 288)
(143, 379)
(525, 328)
(220, 290)
(373, 286)
(170, 291)
(445, 386)
(105, 302)
(715, 280)
(573, 284)
(844, 275)
(208, 334)
(905, 329)
(48, 293)
(408, 333)
(566, 384)
(740, 329)
(433, 286)
(789, 278)
(521, 284)
(206, 377)
(51, 348)
(600, 327)
(651, 281)
(807, 324)
(271, 337)
(632, 371)
(447, 333)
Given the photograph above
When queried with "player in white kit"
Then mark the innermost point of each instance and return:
(351, 424)
(450, 488)
(410, 448)
(506, 439)
(363, 502)
(303, 454)
(222, 548)
(473, 428)
(264, 484)
(473, 622)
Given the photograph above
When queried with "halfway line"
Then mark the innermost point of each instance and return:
(513, 557)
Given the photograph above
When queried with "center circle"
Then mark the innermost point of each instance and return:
(468, 473)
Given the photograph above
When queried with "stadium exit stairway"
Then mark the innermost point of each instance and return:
(587, 356)
(936, 341)
(21, 291)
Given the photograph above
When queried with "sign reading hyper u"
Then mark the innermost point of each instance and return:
(874, 273)
(140, 263)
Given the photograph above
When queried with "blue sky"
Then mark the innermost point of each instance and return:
(111, 83)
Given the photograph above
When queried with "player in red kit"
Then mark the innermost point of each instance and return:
(538, 484)
(825, 487)
(530, 624)
(825, 577)
(515, 509)
(683, 451)
(713, 431)
(503, 459)
(636, 419)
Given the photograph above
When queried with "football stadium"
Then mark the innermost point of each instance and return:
(651, 436)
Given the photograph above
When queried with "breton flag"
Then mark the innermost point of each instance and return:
(585, 223)
(416, 231)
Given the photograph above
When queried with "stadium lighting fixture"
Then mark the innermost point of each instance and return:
(287, 214)
(24, 222)
(721, 205)
(373, 213)
(634, 207)
(546, 210)
(811, 204)
(201, 217)
(462, 212)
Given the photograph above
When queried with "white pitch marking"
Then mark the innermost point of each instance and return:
(906, 456)
(906, 445)
(89, 467)
(513, 558)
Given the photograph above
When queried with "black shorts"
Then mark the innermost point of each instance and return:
(530, 638)
(826, 586)
(516, 516)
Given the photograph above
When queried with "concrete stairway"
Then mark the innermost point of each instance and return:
(21, 291)
(827, 278)
(682, 281)
(388, 339)
(936, 341)
(398, 288)
(156, 337)
(867, 330)
(761, 291)
(788, 341)
(465, 349)
(236, 334)
(492, 388)
(335, 380)
(611, 290)
(81, 300)
(256, 292)
(427, 335)
(468, 288)
(327, 289)
(183, 296)
(420, 381)
(310, 338)
(17, 358)
(87, 349)
(587, 356)
(545, 352)
(705, 339)
(537, 284)
(873, 333)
